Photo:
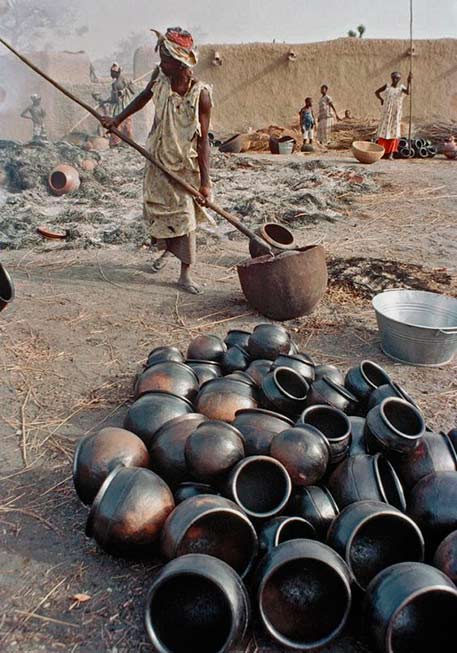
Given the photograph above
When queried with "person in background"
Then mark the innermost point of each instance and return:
(37, 115)
(307, 121)
(179, 141)
(391, 97)
(325, 117)
(122, 92)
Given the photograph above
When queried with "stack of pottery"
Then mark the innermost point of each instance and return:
(244, 459)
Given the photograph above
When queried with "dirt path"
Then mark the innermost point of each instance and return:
(85, 319)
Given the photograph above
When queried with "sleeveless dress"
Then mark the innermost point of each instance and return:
(169, 211)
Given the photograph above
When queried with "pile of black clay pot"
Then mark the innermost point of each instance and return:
(280, 490)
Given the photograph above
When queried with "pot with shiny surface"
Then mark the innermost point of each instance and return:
(304, 452)
(212, 450)
(258, 428)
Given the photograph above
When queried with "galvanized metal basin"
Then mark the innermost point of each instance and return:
(417, 327)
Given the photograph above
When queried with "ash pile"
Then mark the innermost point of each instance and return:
(279, 494)
(106, 209)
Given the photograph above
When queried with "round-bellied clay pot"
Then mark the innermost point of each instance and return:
(162, 354)
(205, 370)
(314, 504)
(98, 454)
(129, 512)
(268, 341)
(258, 428)
(303, 594)
(206, 347)
(214, 526)
(334, 426)
(212, 450)
(168, 376)
(235, 358)
(362, 379)
(371, 536)
(237, 337)
(220, 399)
(394, 426)
(301, 363)
(213, 611)
(284, 391)
(304, 452)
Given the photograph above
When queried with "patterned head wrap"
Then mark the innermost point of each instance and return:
(179, 44)
(115, 67)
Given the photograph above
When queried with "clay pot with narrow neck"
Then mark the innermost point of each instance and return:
(298, 362)
(284, 391)
(278, 237)
(237, 337)
(334, 426)
(363, 379)
(330, 371)
(64, 179)
(258, 369)
(394, 426)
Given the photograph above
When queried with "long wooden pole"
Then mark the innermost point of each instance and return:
(411, 21)
(190, 189)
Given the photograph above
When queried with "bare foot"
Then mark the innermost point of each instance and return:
(160, 262)
(190, 286)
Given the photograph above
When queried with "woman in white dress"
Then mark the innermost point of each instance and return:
(325, 117)
(391, 97)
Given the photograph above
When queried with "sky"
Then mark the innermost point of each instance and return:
(235, 21)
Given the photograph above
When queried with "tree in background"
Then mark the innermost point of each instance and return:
(34, 24)
(361, 29)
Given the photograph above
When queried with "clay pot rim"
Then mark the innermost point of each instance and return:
(272, 461)
(201, 361)
(450, 446)
(406, 404)
(6, 274)
(286, 521)
(177, 420)
(99, 498)
(377, 458)
(264, 411)
(331, 409)
(76, 456)
(201, 573)
(388, 511)
(306, 646)
(290, 371)
(224, 510)
(430, 589)
(271, 241)
(243, 331)
(163, 392)
(367, 362)
(340, 389)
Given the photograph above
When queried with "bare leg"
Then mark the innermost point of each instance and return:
(186, 282)
(391, 156)
(160, 261)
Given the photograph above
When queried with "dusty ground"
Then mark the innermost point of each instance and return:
(85, 318)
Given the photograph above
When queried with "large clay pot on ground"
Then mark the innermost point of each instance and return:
(214, 526)
(64, 179)
(371, 536)
(98, 454)
(411, 607)
(129, 511)
(213, 611)
(303, 594)
(236, 144)
(285, 286)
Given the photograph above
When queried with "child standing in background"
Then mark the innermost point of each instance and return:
(307, 121)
